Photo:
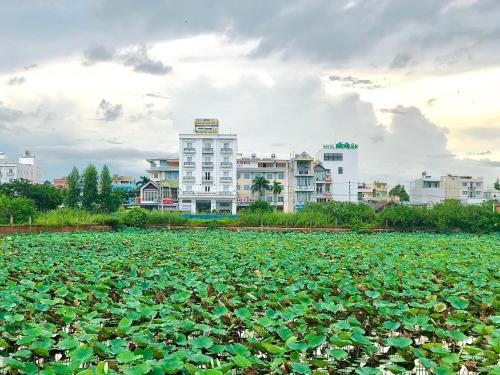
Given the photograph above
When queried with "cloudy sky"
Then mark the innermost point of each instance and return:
(415, 83)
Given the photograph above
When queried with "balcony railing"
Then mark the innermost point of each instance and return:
(207, 164)
(189, 164)
(304, 188)
(304, 172)
(188, 178)
(209, 193)
(226, 164)
(208, 150)
(189, 150)
(225, 150)
(207, 180)
(226, 179)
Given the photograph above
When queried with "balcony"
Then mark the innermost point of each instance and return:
(226, 179)
(188, 178)
(229, 194)
(189, 164)
(207, 180)
(226, 164)
(207, 150)
(303, 172)
(226, 150)
(304, 188)
(189, 150)
(207, 164)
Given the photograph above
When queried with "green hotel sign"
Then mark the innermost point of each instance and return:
(341, 145)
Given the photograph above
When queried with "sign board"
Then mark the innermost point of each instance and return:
(245, 200)
(206, 126)
(341, 145)
(168, 201)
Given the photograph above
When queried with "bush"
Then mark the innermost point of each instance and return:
(405, 217)
(260, 206)
(136, 217)
(19, 208)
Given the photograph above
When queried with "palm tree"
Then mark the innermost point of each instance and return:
(277, 188)
(142, 181)
(259, 184)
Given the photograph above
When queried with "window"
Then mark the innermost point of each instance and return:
(189, 159)
(238, 187)
(464, 184)
(247, 187)
(150, 195)
(189, 188)
(226, 159)
(207, 145)
(464, 193)
(207, 176)
(238, 175)
(225, 188)
(259, 175)
(225, 174)
(189, 144)
(333, 156)
(207, 188)
(189, 174)
(281, 176)
(478, 192)
(226, 144)
(269, 199)
(281, 199)
(269, 176)
(341, 170)
(155, 175)
(246, 176)
(207, 159)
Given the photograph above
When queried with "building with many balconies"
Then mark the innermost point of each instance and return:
(302, 169)
(25, 168)
(207, 169)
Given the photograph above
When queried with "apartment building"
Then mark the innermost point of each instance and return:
(374, 192)
(163, 169)
(323, 183)
(302, 170)
(25, 168)
(207, 169)
(429, 190)
(467, 189)
(342, 161)
(272, 169)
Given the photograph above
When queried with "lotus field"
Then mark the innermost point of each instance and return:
(218, 302)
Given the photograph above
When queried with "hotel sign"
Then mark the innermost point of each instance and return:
(341, 145)
(206, 126)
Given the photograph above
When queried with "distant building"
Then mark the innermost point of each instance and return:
(431, 190)
(302, 170)
(60, 183)
(207, 169)
(323, 183)
(374, 192)
(342, 161)
(272, 169)
(161, 195)
(163, 169)
(25, 168)
(492, 195)
(123, 180)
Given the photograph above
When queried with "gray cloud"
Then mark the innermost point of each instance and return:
(349, 81)
(108, 112)
(488, 152)
(8, 114)
(30, 66)
(401, 60)
(156, 95)
(97, 54)
(431, 102)
(141, 62)
(17, 80)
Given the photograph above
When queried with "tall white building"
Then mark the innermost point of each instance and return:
(342, 161)
(25, 168)
(207, 169)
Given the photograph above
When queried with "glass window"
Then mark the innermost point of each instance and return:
(226, 145)
(269, 199)
(207, 159)
(226, 159)
(238, 175)
(269, 176)
(281, 176)
(247, 187)
(189, 188)
(341, 170)
(189, 144)
(207, 188)
(189, 158)
(226, 174)
(237, 187)
(189, 173)
(259, 175)
(225, 187)
(247, 176)
(281, 199)
(333, 156)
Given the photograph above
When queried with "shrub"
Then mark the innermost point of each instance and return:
(19, 208)
(212, 224)
(404, 216)
(136, 217)
(260, 206)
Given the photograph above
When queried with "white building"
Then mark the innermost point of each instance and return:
(342, 161)
(207, 169)
(426, 190)
(25, 168)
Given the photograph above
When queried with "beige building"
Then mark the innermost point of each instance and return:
(467, 189)
(375, 191)
(272, 169)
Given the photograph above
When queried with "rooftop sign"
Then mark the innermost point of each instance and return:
(341, 145)
(206, 126)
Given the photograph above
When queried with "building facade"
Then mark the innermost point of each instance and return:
(272, 169)
(303, 185)
(323, 183)
(342, 161)
(207, 169)
(25, 168)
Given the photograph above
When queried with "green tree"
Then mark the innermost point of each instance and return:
(497, 184)
(19, 208)
(259, 185)
(142, 181)
(106, 190)
(90, 195)
(74, 192)
(45, 196)
(276, 188)
(399, 191)
(260, 206)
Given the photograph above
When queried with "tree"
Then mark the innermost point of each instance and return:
(45, 197)
(399, 191)
(105, 193)
(260, 184)
(497, 184)
(142, 181)
(90, 195)
(276, 188)
(73, 195)
(260, 206)
(19, 208)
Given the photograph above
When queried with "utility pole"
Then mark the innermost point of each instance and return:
(349, 191)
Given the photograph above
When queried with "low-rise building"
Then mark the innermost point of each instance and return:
(272, 169)
(163, 169)
(492, 195)
(323, 183)
(426, 190)
(25, 168)
(374, 192)
(301, 168)
(159, 195)
(60, 183)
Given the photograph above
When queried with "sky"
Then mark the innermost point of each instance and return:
(414, 83)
